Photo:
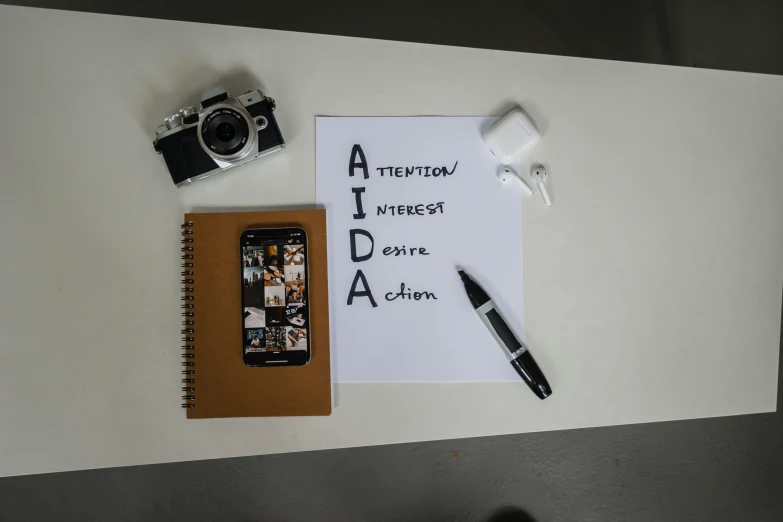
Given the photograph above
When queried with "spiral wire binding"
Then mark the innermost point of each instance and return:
(188, 321)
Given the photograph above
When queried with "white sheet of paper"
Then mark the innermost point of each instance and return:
(436, 338)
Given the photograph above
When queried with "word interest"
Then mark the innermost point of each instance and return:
(411, 210)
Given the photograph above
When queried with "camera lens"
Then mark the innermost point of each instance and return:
(225, 131)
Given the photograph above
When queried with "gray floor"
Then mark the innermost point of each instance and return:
(703, 470)
(740, 35)
(710, 470)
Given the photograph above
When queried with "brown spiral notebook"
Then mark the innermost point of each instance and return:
(215, 381)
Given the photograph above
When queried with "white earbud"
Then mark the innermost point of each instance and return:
(540, 174)
(506, 175)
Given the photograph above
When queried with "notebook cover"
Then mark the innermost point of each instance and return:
(224, 385)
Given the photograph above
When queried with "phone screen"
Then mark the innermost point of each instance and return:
(275, 317)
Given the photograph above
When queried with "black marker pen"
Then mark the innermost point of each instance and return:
(517, 353)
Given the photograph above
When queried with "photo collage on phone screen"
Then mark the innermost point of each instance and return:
(275, 298)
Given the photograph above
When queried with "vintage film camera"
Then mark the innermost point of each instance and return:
(222, 133)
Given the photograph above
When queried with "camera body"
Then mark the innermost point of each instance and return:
(223, 132)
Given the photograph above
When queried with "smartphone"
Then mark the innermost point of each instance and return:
(275, 311)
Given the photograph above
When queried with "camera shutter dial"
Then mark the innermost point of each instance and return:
(187, 111)
(173, 121)
(189, 115)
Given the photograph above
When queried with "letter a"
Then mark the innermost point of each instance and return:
(353, 164)
(364, 293)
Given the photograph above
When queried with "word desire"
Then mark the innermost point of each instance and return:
(360, 287)
(396, 251)
(393, 251)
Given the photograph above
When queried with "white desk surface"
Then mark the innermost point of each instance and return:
(652, 286)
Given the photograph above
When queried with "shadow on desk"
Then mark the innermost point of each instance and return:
(510, 514)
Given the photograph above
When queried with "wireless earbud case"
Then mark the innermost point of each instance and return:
(511, 136)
